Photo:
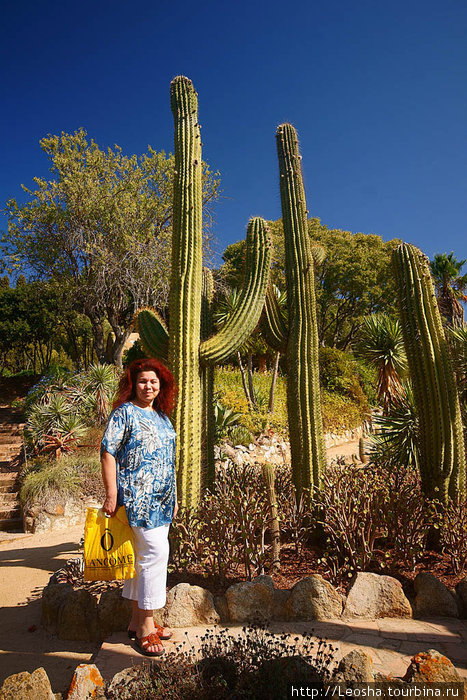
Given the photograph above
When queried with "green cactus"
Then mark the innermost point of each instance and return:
(269, 475)
(299, 336)
(442, 456)
(192, 354)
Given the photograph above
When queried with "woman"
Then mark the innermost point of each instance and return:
(138, 470)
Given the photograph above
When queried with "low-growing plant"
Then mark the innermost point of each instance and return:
(226, 666)
(48, 483)
(453, 533)
(240, 436)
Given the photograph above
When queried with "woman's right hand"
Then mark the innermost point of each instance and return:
(110, 504)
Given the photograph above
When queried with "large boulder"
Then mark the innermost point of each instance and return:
(312, 598)
(355, 667)
(372, 596)
(114, 612)
(87, 683)
(432, 598)
(251, 601)
(53, 598)
(431, 667)
(461, 590)
(78, 619)
(189, 606)
(27, 686)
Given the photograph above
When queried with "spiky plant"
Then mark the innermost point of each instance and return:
(298, 336)
(100, 385)
(190, 355)
(441, 444)
(381, 343)
(450, 287)
(396, 438)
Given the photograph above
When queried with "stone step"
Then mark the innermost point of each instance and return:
(9, 499)
(13, 525)
(11, 440)
(10, 513)
(8, 485)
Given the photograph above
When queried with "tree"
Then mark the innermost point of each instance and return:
(353, 277)
(450, 286)
(103, 224)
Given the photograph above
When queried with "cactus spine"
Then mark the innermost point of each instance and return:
(191, 352)
(442, 456)
(300, 339)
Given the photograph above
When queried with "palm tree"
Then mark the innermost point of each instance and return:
(382, 344)
(450, 287)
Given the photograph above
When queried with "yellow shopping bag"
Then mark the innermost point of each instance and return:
(108, 546)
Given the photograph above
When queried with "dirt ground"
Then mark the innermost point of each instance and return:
(26, 562)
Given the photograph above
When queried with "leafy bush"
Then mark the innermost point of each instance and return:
(371, 511)
(453, 529)
(340, 411)
(228, 527)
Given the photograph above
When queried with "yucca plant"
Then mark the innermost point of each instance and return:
(100, 385)
(395, 442)
(381, 343)
(54, 426)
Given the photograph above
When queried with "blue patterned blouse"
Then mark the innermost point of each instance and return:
(143, 444)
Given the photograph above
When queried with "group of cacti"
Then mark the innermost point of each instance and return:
(192, 350)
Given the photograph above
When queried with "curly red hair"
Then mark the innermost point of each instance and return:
(164, 401)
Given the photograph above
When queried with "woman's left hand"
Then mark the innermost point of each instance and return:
(175, 509)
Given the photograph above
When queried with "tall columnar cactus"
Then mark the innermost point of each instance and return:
(299, 336)
(441, 444)
(191, 354)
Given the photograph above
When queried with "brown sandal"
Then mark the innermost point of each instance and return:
(143, 643)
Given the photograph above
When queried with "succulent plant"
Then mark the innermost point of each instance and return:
(190, 349)
(298, 336)
(441, 443)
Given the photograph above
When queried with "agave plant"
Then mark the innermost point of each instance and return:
(395, 442)
(225, 420)
(54, 427)
(381, 343)
(100, 385)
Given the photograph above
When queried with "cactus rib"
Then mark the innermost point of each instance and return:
(272, 323)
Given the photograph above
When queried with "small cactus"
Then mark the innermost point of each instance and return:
(268, 472)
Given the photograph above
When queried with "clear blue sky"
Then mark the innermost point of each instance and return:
(377, 91)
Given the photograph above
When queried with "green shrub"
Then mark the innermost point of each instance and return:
(49, 482)
(341, 410)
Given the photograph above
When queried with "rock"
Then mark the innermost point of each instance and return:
(313, 598)
(87, 683)
(220, 603)
(114, 612)
(53, 599)
(373, 596)
(189, 606)
(431, 667)
(433, 599)
(461, 590)
(355, 667)
(78, 619)
(251, 601)
(27, 686)
(281, 596)
(124, 685)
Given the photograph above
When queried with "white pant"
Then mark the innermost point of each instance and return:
(152, 554)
